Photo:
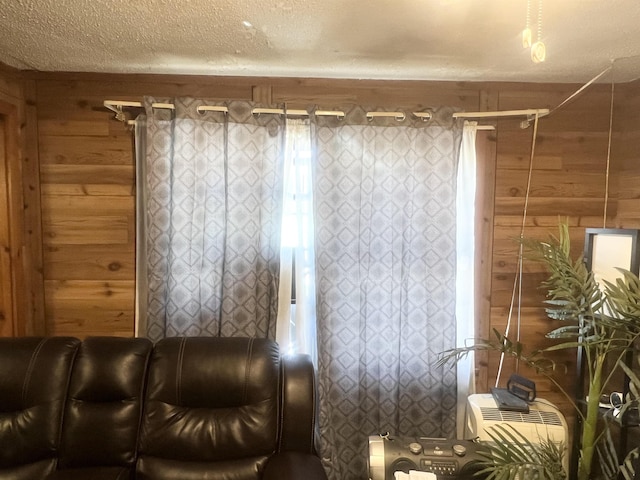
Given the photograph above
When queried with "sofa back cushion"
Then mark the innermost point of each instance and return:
(104, 406)
(211, 406)
(34, 375)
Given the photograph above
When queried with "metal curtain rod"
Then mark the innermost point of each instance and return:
(117, 106)
(531, 112)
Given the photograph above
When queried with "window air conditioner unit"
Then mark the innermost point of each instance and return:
(544, 421)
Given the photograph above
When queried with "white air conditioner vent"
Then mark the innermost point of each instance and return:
(544, 422)
(534, 416)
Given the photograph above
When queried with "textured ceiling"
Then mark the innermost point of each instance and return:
(375, 39)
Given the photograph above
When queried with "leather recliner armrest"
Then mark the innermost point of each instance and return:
(298, 429)
(294, 466)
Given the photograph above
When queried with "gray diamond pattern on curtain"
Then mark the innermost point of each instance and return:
(385, 260)
(214, 195)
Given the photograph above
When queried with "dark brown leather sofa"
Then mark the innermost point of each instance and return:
(183, 409)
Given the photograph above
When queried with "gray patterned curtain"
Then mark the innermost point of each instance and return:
(385, 268)
(213, 206)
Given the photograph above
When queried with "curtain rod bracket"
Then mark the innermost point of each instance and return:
(117, 110)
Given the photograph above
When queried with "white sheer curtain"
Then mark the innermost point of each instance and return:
(296, 324)
(465, 243)
(140, 326)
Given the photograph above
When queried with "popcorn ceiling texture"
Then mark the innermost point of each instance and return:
(471, 40)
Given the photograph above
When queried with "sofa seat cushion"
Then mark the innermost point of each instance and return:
(211, 402)
(104, 403)
(34, 375)
(93, 473)
(162, 469)
(294, 466)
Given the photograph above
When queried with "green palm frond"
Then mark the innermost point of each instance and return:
(501, 344)
(510, 456)
(623, 299)
(572, 290)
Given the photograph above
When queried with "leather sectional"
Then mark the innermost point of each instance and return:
(183, 409)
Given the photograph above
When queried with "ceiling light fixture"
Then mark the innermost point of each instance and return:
(538, 50)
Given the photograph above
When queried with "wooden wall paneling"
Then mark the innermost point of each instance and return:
(76, 262)
(262, 94)
(88, 214)
(135, 87)
(32, 211)
(20, 138)
(417, 95)
(90, 307)
(626, 155)
(14, 316)
(7, 327)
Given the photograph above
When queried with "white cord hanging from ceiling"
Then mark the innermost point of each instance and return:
(517, 283)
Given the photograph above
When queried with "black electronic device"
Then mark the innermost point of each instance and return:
(516, 397)
(522, 387)
(507, 401)
(447, 459)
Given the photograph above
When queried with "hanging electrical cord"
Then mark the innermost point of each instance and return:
(606, 187)
(517, 283)
(526, 33)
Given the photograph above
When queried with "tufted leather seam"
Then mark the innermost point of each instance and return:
(247, 370)
(32, 362)
(281, 403)
(66, 400)
(142, 407)
(181, 350)
(314, 411)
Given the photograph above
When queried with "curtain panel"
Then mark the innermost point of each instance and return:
(213, 197)
(385, 219)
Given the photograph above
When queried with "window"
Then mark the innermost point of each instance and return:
(296, 318)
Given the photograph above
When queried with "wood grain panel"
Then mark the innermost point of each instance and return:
(87, 230)
(65, 189)
(86, 150)
(82, 322)
(513, 183)
(134, 87)
(33, 214)
(15, 307)
(89, 294)
(91, 262)
(82, 174)
(73, 127)
(7, 312)
(87, 205)
(560, 207)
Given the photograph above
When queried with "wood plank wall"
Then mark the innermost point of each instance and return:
(626, 156)
(87, 185)
(21, 292)
(568, 180)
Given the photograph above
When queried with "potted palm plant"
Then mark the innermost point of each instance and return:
(602, 321)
